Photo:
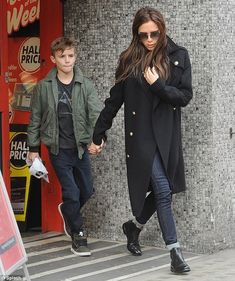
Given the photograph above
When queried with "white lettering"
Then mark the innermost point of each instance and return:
(13, 145)
(13, 21)
(21, 16)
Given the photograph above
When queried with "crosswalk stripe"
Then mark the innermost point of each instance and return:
(46, 241)
(61, 248)
(48, 251)
(73, 266)
(137, 273)
(47, 263)
(41, 236)
(108, 258)
(115, 267)
(52, 240)
(68, 256)
(143, 271)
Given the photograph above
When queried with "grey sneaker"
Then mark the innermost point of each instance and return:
(67, 229)
(79, 245)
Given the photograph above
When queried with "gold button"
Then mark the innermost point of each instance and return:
(176, 62)
(131, 134)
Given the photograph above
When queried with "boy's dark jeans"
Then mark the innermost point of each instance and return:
(75, 177)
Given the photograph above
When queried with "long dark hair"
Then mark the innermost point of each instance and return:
(136, 58)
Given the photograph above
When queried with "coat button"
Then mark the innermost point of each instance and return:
(174, 108)
(128, 156)
(133, 113)
(131, 134)
(176, 62)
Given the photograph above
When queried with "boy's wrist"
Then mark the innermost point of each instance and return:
(34, 148)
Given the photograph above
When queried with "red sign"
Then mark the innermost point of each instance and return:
(12, 252)
(21, 13)
(23, 74)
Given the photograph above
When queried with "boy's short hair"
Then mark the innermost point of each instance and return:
(62, 43)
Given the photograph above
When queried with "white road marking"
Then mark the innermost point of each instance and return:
(144, 271)
(116, 267)
(68, 256)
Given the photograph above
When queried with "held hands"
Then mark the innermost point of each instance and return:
(151, 75)
(95, 149)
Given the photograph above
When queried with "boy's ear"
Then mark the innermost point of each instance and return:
(52, 59)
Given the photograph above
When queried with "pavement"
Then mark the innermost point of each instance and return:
(50, 259)
(213, 267)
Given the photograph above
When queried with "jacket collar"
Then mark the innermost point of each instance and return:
(172, 47)
(78, 76)
(174, 55)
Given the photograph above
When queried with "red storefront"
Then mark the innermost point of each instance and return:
(27, 28)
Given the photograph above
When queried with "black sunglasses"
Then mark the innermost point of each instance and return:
(144, 36)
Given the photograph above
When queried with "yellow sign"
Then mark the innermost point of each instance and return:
(19, 171)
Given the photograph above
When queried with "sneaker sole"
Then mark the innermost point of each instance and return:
(84, 254)
(65, 231)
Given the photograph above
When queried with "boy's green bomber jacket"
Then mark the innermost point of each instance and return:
(43, 126)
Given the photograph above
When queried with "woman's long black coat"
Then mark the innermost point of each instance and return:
(152, 120)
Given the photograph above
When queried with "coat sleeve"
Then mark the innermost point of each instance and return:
(105, 119)
(33, 131)
(176, 96)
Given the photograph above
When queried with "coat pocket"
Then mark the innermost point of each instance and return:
(46, 119)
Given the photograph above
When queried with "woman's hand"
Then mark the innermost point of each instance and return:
(151, 75)
(95, 149)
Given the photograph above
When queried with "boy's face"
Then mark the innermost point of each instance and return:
(64, 60)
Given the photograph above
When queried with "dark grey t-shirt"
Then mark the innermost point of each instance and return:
(66, 131)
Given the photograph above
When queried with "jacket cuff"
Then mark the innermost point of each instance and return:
(98, 140)
(158, 85)
(34, 148)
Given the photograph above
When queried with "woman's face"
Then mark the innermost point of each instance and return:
(148, 34)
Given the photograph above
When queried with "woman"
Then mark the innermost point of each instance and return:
(153, 80)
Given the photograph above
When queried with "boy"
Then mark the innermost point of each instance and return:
(64, 108)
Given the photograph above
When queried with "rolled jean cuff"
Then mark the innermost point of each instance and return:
(174, 245)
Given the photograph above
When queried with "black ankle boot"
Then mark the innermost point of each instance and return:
(178, 264)
(132, 233)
